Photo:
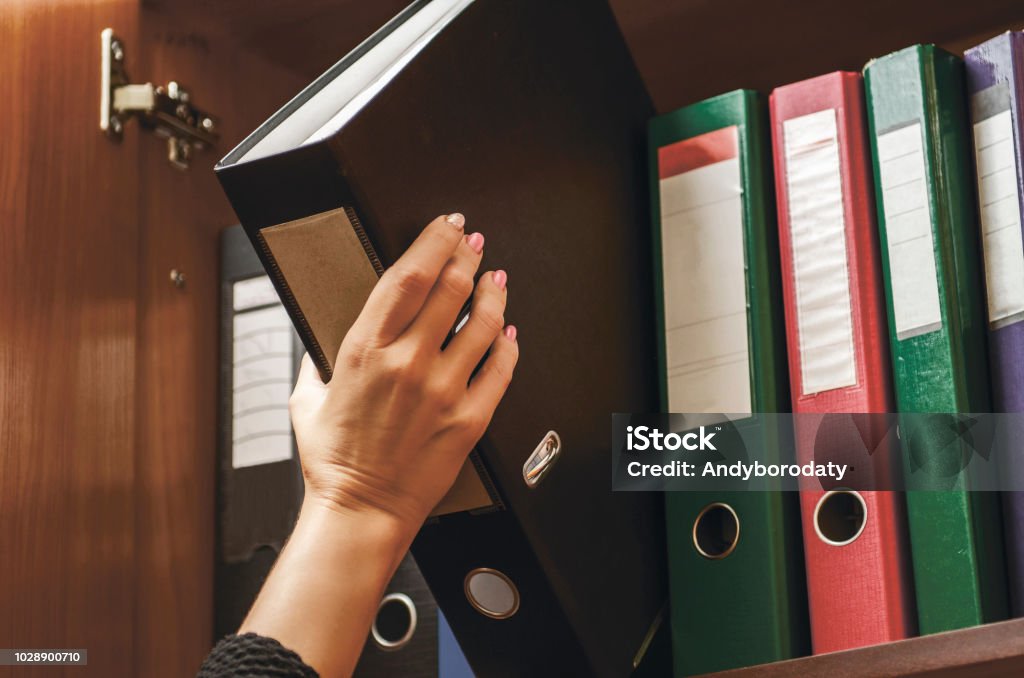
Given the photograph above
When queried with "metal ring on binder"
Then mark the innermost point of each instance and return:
(839, 515)
(542, 458)
(491, 593)
(704, 532)
(410, 608)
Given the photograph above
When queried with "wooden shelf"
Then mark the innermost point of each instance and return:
(990, 650)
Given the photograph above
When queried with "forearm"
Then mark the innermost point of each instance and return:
(322, 594)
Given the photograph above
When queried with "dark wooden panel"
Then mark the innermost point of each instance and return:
(182, 213)
(689, 50)
(686, 49)
(991, 650)
(305, 37)
(69, 225)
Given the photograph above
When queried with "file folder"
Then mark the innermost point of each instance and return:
(451, 662)
(995, 83)
(405, 636)
(722, 351)
(858, 577)
(527, 117)
(934, 301)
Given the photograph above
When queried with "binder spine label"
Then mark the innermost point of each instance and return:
(999, 205)
(328, 296)
(908, 225)
(703, 260)
(263, 364)
(818, 235)
(253, 292)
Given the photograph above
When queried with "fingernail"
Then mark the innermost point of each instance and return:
(476, 241)
(500, 278)
(456, 220)
(511, 332)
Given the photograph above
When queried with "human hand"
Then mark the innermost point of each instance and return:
(393, 427)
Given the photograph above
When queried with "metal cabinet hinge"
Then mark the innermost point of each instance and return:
(167, 111)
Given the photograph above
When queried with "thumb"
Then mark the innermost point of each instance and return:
(308, 385)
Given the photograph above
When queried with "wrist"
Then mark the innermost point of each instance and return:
(321, 595)
(376, 531)
(371, 498)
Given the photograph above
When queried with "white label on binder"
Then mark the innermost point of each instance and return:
(703, 264)
(263, 359)
(1000, 219)
(814, 187)
(258, 291)
(908, 226)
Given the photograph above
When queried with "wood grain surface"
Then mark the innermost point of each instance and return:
(982, 651)
(68, 309)
(686, 50)
(182, 213)
(108, 373)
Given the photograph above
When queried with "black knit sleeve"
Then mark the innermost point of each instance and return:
(250, 655)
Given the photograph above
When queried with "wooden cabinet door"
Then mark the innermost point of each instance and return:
(108, 371)
(69, 234)
(183, 213)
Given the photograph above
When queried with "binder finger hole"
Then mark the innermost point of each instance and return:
(840, 516)
(395, 623)
(491, 593)
(716, 531)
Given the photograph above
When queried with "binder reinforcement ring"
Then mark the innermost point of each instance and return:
(491, 593)
(840, 517)
(716, 531)
(391, 604)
